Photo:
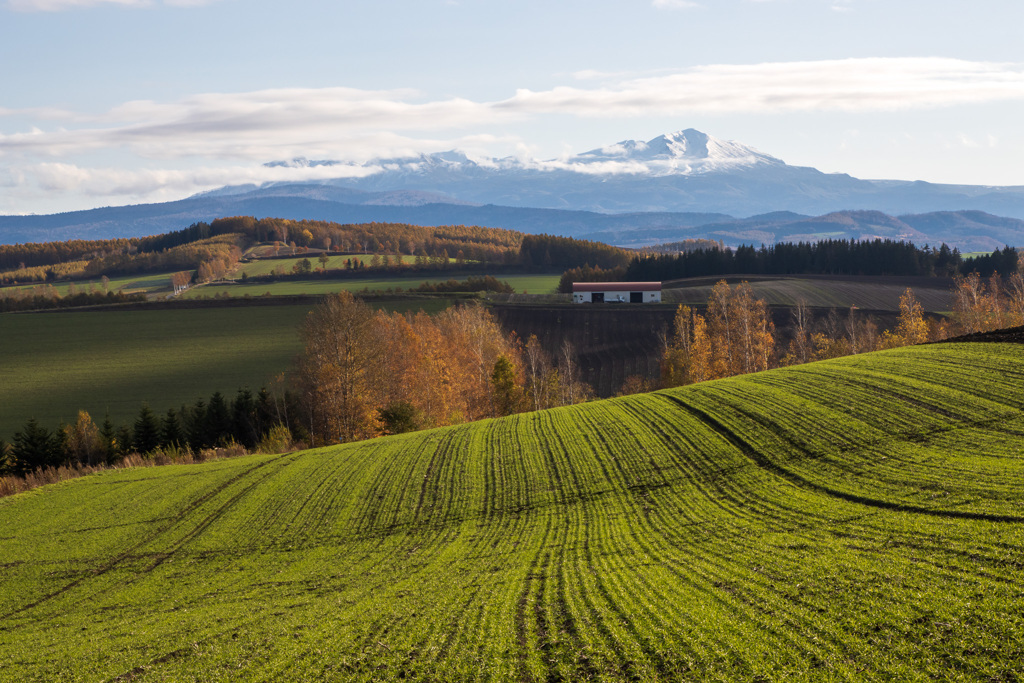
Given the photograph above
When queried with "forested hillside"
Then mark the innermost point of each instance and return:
(855, 519)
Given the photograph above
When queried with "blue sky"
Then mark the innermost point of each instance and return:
(106, 102)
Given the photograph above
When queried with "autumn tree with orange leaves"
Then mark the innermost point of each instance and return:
(365, 373)
(336, 372)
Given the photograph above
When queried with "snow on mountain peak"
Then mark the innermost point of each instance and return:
(683, 152)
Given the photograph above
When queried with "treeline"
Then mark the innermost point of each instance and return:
(1003, 260)
(828, 257)
(475, 243)
(28, 255)
(687, 245)
(586, 273)
(214, 256)
(212, 249)
(58, 271)
(249, 422)
(365, 373)
(191, 246)
(47, 297)
(567, 252)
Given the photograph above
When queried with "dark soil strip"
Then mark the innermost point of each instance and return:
(1010, 335)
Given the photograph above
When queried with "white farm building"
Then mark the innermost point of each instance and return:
(616, 292)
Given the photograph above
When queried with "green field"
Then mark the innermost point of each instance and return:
(870, 293)
(129, 284)
(267, 266)
(161, 282)
(534, 284)
(56, 363)
(855, 520)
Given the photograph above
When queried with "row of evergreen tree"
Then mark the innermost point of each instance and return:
(569, 252)
(33, 300)
(827, 257)
(246, 420)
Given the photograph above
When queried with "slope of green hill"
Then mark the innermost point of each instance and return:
(56, 363)
(858, 519)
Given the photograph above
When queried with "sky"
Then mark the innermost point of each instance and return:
(111, 102)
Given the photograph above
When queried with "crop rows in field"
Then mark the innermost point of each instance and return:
(611, 342)
(528, 283)
(57, 363)
(868, 293)
(856, 519)
(129, 284)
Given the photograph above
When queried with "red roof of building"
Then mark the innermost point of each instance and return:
(616, 286)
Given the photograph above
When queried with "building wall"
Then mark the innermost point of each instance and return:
(615, 297)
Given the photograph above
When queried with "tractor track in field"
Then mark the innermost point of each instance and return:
(129, 553)
(762, 461)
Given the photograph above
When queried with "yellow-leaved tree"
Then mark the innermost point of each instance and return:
(912, 327)
(337, 369)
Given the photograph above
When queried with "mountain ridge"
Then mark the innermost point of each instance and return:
(629, 193)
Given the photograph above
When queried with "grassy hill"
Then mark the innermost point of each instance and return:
(857, 519)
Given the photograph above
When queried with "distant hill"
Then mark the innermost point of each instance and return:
(966, 230)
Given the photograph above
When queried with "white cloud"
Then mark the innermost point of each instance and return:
(231, 134)
(358, 124)
(274, 124)
(873, 84)
(269, 124)
(62, 177)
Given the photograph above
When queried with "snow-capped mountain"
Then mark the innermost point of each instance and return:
(685, 152)
(681, 184)
(682, 171)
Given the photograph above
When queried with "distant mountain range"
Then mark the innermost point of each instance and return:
(686, 184)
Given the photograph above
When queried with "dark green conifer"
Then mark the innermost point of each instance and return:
(171, 433)
(146, 431)
(244, 423)
(218, 420)
(195, 425)
(108, 435)
(34, 447)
